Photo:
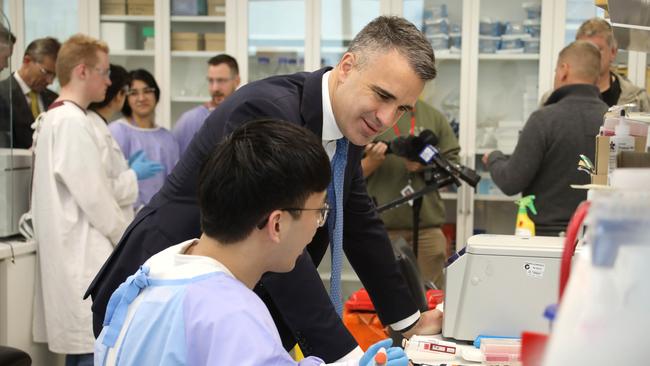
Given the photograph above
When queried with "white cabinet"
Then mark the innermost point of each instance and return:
(173, 44)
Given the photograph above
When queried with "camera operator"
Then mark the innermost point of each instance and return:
(390, 177)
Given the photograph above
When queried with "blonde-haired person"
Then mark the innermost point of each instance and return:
(615, 89)
(77, 219)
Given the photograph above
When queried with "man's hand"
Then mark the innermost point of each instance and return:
(485, 158)
(430, 323)
(376, 151)
(375, 156)
(413, 166)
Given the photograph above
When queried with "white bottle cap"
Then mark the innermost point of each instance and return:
(622, 128)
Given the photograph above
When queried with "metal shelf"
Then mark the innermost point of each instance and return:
(137, 53)
(509, 56)
(197, 54)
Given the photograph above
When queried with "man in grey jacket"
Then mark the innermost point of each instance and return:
(545, 159)
(615, 89)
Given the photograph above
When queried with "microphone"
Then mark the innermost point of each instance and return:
(425, 143)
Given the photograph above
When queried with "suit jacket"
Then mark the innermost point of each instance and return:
(297, 300)
(22, 112)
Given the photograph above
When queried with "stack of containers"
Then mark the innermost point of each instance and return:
(436, 26)
(532, 26)
(512, 36)
(454, 38)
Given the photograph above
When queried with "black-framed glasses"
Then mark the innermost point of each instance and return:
(322, 218)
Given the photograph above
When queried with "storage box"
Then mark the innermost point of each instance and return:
(140, 7)
(215, 41)
(602, 152)
(15, 185)
(189, 7)
(217, 7)
(113, 7)
(186, 41)
(119, 36)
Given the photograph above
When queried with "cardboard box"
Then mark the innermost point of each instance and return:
(119, 36)
(140, 7)
(186, 41)
(599, 179)
(215, 42)
(113, 7)
(217, 7)
(602, 152)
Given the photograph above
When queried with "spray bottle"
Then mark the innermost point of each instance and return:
(525, 227)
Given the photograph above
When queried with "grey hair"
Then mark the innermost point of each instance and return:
(584, 58)
(40, 48)
(387, 33)
(597, 27)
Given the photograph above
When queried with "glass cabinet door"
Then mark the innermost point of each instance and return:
(441, 22)
(507, 93)
(276, 37)
(198, 32)
(341, 20)
(129, 32)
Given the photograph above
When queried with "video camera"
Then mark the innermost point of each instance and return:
(422, 149)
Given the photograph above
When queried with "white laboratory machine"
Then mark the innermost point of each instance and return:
(500, 285)
(15, 181)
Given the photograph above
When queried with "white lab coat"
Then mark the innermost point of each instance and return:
(77, 221)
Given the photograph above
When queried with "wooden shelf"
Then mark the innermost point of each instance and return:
(126, 18)
(198, 19)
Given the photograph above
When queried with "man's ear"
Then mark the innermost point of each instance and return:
(274, 226)
(347, 64)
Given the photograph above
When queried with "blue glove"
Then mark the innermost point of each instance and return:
(144, 168)
(396, 355)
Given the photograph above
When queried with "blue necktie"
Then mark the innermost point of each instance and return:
(335, 223)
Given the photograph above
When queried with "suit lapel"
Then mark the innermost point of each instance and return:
(22, 111)
(311, 105)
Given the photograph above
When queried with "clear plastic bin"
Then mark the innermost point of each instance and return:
(532, 27)
(513, 41)
(531, 45)
(439, 42)
(487, 27)
(436, 27)
(533, 10)
(488, 44)
(455, 40)
(435, 12)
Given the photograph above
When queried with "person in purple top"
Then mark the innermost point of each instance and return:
(223, 80)
(138, 131)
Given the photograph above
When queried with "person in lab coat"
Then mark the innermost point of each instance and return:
(123, 178)
(77, 218)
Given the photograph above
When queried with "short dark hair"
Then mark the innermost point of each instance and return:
(386, 33)
(225, 59)
(40, 48)
(264, 165)
(6, 37)
(119, 79)
(146, 77)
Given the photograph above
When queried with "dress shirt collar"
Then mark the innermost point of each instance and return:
(331, 130)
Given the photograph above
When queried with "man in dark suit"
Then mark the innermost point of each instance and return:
(7, 41)
(375, 82)
(28, 88)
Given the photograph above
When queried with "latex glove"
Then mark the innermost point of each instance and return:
(143, 167)
(396, 355)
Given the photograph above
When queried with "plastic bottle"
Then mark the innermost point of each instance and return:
(525, 227)
(621, 141)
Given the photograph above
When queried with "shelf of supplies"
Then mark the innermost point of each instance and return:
(197, 54)
(450, 196)
(126, 18)
(138, 53)
(496, 197)
(508, 56)
(446, 55)
(198, 19)
(189, 99)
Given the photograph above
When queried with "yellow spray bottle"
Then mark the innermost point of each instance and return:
(525, 227)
